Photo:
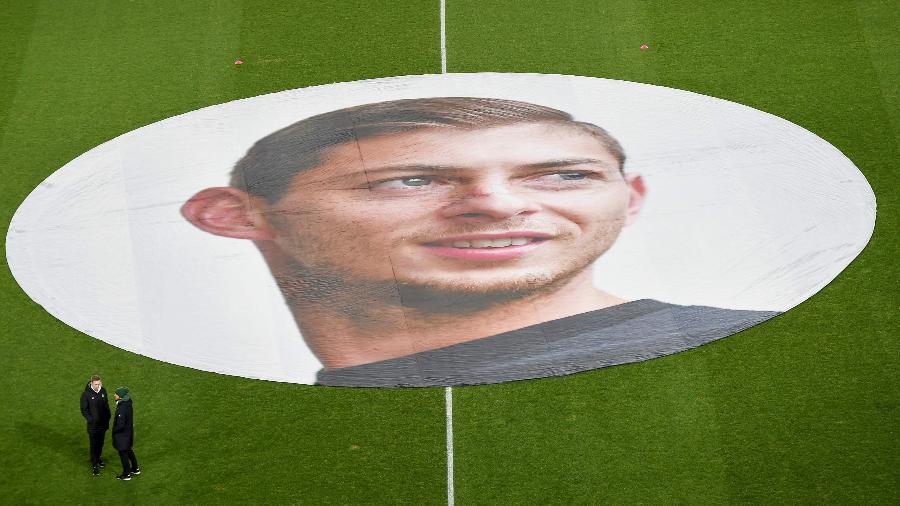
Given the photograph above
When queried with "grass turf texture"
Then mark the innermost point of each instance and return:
(800, 409)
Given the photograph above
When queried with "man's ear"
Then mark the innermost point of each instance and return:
(636, 193)
(227, 212)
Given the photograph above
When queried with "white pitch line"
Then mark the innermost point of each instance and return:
(448, 396)
(443, 37)
(448, 391)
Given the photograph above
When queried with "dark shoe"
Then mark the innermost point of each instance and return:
(135, 471)
(102, 464)
(123, 477)
(96, 471)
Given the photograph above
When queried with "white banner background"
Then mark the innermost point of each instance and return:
(745, 210)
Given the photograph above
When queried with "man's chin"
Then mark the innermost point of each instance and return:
(461, 295)
(443, 293)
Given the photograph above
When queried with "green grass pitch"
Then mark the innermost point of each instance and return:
(801, 409)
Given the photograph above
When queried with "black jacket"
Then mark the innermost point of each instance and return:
(123, 428)
(95, 409)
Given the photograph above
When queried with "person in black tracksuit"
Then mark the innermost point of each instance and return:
(123, 434)
(95, 409)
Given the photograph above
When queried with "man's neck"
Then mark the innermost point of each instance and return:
(382, 331)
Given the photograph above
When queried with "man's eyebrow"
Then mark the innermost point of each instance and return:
(546, 164)
(371, 173)
(566, 162)
(417, 167)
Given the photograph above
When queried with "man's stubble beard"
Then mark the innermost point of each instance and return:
(326, 285)
(307, 286)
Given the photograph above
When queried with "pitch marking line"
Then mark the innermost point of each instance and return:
(448, 391)
(443, 37)
(448, 396)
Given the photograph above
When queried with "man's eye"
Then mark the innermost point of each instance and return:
(404, 183)
(557, 177)
(572, 176)
(416, 181)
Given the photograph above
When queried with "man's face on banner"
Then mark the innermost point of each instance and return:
(461, 210)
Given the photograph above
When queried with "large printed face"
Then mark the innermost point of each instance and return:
(103, 231)
(461, 210)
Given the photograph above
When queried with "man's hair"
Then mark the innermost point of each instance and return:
(271, 163)
(95, 378)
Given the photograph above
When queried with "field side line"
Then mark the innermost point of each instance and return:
(448, 397)
(443, 36)
(448, 391)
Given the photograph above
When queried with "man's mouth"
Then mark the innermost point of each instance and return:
(487, 243)
(491, 247)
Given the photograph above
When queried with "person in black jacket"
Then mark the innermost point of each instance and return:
(123, 434)
(95, 409)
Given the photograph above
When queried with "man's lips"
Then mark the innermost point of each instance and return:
(488, 240)
(486, 246)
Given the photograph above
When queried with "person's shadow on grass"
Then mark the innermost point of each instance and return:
(71, 446)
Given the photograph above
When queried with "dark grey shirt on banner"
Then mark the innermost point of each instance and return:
(629, 332)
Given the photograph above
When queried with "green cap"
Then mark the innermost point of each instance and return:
(123, 393)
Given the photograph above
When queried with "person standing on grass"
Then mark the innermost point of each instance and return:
(123, 435)
(95, 410)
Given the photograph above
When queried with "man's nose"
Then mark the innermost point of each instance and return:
(489, 202)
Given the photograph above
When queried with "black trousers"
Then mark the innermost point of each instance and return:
(96, 438)
(129, 461)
